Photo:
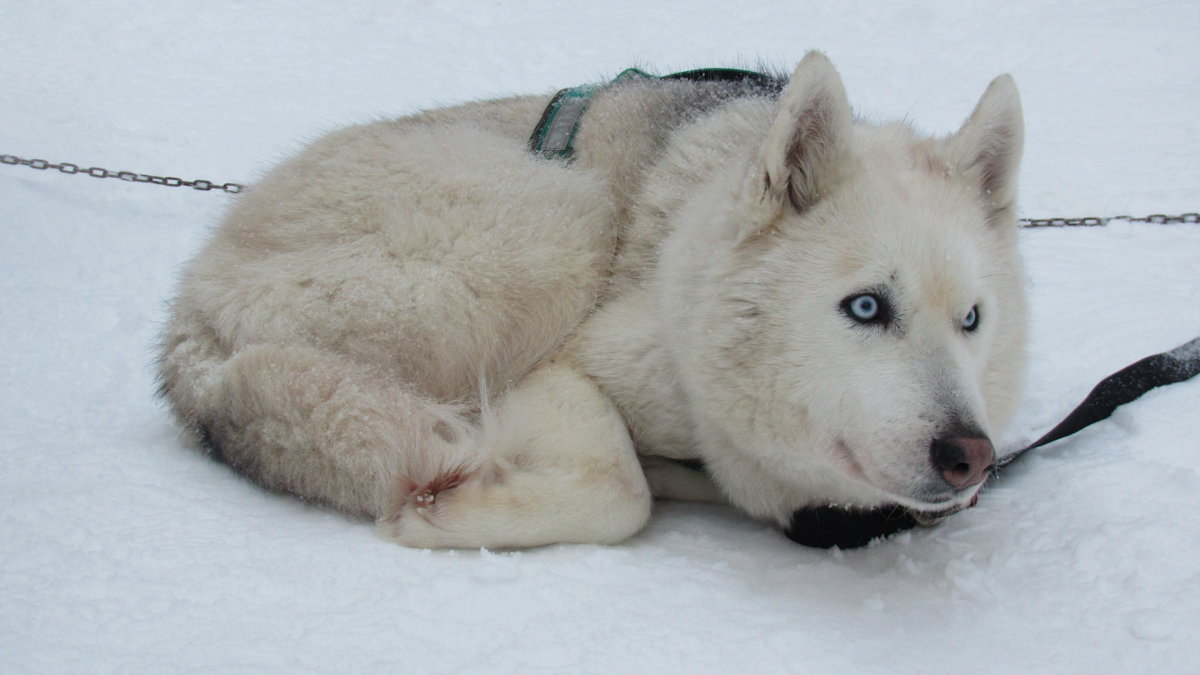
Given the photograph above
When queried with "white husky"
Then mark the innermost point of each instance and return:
(421, 321)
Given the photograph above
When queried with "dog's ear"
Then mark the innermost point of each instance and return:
(988, 148)
(808, 140)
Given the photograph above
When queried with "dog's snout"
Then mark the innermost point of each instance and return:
(963, 460)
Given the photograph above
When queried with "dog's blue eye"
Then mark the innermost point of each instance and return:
(971, 321)
(866, 308)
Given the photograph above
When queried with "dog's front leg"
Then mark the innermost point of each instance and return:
(557, 465)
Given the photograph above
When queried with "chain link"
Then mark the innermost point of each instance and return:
(1096, 221)
(235, 188)
(129, 176)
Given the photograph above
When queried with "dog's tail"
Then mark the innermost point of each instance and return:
(309, 422)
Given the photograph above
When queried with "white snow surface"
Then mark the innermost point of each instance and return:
(122, 549)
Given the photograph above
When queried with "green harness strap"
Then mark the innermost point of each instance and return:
(554, 135)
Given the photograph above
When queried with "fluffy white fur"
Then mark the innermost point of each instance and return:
(420, 321)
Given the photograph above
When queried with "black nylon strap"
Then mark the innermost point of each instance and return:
(1123, 386)
(829, 526)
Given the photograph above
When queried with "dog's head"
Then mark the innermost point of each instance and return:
(856, 326)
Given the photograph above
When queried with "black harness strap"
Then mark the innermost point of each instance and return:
(827, 526)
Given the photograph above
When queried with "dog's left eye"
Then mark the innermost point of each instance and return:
(971, 321)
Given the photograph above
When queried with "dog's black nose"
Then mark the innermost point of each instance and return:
(963, 460)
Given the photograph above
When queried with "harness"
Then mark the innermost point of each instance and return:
(830, 525)
(554, 135)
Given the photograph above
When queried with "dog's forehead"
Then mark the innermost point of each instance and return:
(903, 228)
(933, 254)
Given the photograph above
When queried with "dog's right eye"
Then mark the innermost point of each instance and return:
(867, 308)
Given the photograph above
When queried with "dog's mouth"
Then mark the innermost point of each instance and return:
(930, 513)
(927, 505)
(930, 518)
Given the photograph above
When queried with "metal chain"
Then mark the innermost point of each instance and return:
(97, 172)
(1096, 221)
(235, 188)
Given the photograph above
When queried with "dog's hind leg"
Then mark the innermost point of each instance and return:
(306, 421)
(561, 468)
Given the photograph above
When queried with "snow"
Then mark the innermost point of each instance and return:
(126, 551)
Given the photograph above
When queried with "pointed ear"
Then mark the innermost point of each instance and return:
(988, 147)
(808, 139)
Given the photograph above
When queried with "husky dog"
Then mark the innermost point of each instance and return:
(421, 321)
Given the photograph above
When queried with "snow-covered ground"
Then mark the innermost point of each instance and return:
(123, 550)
